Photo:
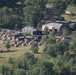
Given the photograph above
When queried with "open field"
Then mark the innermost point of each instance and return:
(67, 17)
(71, 9)
(15, 52)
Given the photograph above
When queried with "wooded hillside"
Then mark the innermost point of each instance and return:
(19, 13)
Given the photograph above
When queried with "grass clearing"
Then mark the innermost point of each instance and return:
(67, 17)
(71, 9)
(16, 52)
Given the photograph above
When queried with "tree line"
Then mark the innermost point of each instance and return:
(16, 14)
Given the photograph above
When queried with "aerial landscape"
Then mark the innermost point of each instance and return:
(37, 37)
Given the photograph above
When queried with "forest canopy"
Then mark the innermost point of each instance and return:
(26, 12)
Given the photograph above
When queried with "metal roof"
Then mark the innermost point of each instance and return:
(30, 37)
(28, 28)
(55, 25)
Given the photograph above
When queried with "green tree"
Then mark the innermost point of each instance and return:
(59, 6)
(48, 39)
(30, 59)
(72, 46)
(45, 48)
(72, 43)
(11, 60)
(57, 48)
(19, 72)
(72, 26)
(26, 62)
(62, 47)
(51, 39)
(34, 47)
(52, 50)
(11, 13)
(53, 32)
(5, 15)
(44, 67)
(44, 39)
(11, 3)
(46, 30)
(65, 32)
(34, 11)
(21, 64)
(5, 70)
(59, 65)
(7, 45)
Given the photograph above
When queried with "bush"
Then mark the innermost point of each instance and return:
(11, 60)
(34, 47)
(7, 45)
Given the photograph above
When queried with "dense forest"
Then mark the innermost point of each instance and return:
(19, 13)
(57, 57)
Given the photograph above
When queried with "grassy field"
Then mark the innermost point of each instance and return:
(72, 9)
(67, 17)
(15, 52)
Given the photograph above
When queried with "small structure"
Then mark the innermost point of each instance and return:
(28, 29)
(31, 31)
(52, 26)
(73, 20)
(67, 12)
(49, 6)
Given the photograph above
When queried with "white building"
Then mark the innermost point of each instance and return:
(52, 26)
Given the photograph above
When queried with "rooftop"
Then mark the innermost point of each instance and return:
(29, 28)
(48, 5)
(55, 25)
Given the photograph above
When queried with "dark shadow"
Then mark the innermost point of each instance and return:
(8, 51)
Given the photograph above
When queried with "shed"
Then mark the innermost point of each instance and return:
(73, 20)
(52, 26)
(27, 29)
(31, 30)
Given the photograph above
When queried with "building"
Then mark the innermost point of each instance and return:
(27, 29)
(67, 12)
(73, 20)
(31, 30)
(49, 6)
(52, 26)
